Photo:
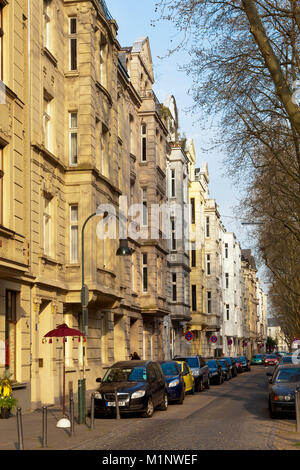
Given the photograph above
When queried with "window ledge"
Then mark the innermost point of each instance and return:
(73, 265)
(105, 91)
(47, 259)
(71, 73)
(49, 55)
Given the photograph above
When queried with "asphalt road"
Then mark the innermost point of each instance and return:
(232, 416)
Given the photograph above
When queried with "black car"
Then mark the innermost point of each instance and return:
(140, 385)
(285, 379)
(232, 365)
(226, 368)
(216, 374)
(199, 370)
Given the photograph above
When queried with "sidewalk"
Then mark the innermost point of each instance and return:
(57, 438)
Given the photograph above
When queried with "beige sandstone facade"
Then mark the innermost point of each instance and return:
(78, 111)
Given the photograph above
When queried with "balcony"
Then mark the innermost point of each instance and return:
(213, 322)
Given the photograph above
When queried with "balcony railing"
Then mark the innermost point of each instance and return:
(105, 10)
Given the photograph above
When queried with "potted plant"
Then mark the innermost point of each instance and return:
(7, 401)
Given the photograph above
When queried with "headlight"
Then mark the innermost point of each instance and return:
(284, 397)
(174, 383)
(98, 396)
(195, 373)
(138, 394)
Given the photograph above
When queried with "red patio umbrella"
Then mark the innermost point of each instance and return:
(62, 331)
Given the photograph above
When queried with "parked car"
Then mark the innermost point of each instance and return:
(271, 360)
(232, 366)
(226, 369)
(257, 359)
(199, 370)
(286, 360)
(174, 380)
(245, 363)
(238, 364)
(140, 385)
(282, 385)
(215, 371)
(189, 381)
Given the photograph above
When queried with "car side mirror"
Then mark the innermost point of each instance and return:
(98, 379)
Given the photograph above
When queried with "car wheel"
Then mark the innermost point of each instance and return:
(181, 399)
(207, 385)
(165, 403)
(150, 409)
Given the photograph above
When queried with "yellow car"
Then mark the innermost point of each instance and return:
(189, 381)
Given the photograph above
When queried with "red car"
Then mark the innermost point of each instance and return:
(271, 360)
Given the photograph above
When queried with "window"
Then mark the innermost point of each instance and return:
(226, 280)
(144, 142)
(131, 134)
(104, 151)
(1, 185)
(194, 298)
(103, 58)
(193, 213)
(226, 250)
(72, 43)
(74, 233)
(193, 254)
(207, 228)
(173, 234)
(10, 331)
(208, 270)
(73, 138)
(145, 272)
(173, 183)
(47, 110)
(47, 23)
(227, 311)
(47, 222)
(145, 207)
(208, 297)
(1, 41)
(174, 287)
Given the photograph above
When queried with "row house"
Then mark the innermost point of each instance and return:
(200, 303)
(250, 303)
(178, 258)
(80, 128)
(232, 327)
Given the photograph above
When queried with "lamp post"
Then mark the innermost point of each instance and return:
(123, 250)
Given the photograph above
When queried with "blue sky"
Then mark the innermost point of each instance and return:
(134, 20)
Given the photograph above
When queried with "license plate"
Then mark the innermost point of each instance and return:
(113, 403)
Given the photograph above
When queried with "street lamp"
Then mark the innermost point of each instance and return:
(123, 250)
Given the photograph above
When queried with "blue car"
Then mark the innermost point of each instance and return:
(174, 380)
(245, 363)
(226, 369)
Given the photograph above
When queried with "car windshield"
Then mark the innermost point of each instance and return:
(223, 362)
(258, 356)
(192, 362)
(288, 375)
(211, 364)
(125, 374)
(228, 360)
(243, 359)
(272, 356)
(169, 368)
